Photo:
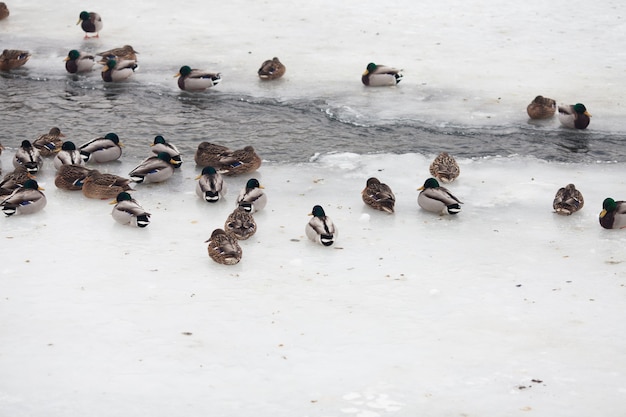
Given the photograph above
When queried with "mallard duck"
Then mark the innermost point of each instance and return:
(125, 53)
(15, 179)
(161, 145)
(115, 71)
(321, 229)
(574, 116)
(224, 248)
(252, 198)
(196, 80)
(28, 156)
(4, 11)
(68, 155)
(156, 168)
(378, 195)
(240, 161)
(26, 199)
(13, 58)
(210, 186)
(210, 154)
(271, 69)
(127, 211)
(77, 61)
(90, 22)
(240, 224)
(568, 200)
(437, 199)
(381, 75)
(104, 186)
(50, 143)
(71, 177)
(541, 108)
(444, 168)
(103, 149)
(613, 214)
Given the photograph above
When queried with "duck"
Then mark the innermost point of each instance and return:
(240, 161)
(14, 179)
(321, 229)
(78, 62)
(68, 155)
(128, 211)
(541, 108)
(116, 71)
(26, 199)
(156, 168)
(381, 75)
(613, 214)
(252, 197)
(50, 143)
(102, 149)
(210, 154)
(4, 10)
(90, 22)
(568, 200)
(13, 58)
(104, 186)
(159, 144)
(196, 80)
(210, 186)
(271, 69)
(437, 199)
(445, 168)
(71, 177)
(28, 156)
(574, 116)
(125, 53)
(378, 195)
(240, 224)
(224, 248)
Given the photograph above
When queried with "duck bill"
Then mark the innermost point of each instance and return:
(603, 213)
(421, 188)
(587, 114)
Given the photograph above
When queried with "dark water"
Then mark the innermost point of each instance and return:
(281, 131)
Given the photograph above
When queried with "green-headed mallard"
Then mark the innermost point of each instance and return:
(28, 156)
(71, 177)
(444, 168)
(68, 155)
(224, 248)
(240, 223)
(90, 22)
(271, 69)
(252, 198)
(156, 168)
(568, 200)
(240, 161)
(15, 179)
(77, 61)
(104, 186)
(381, 75)
(13, 58)
(613, 214)
(127, 211)
(115, 71)
(541, 108)
(161, 145)
(125, 53)
(378, 195)
(574, 116)
(50, 143)
(4, 10)
(210, 154)
(196, 80)
(210, 186)
(26, 199)
(321, 229)
(103, 149)
(437, 199)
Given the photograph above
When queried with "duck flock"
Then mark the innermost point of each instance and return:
(21, 194)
